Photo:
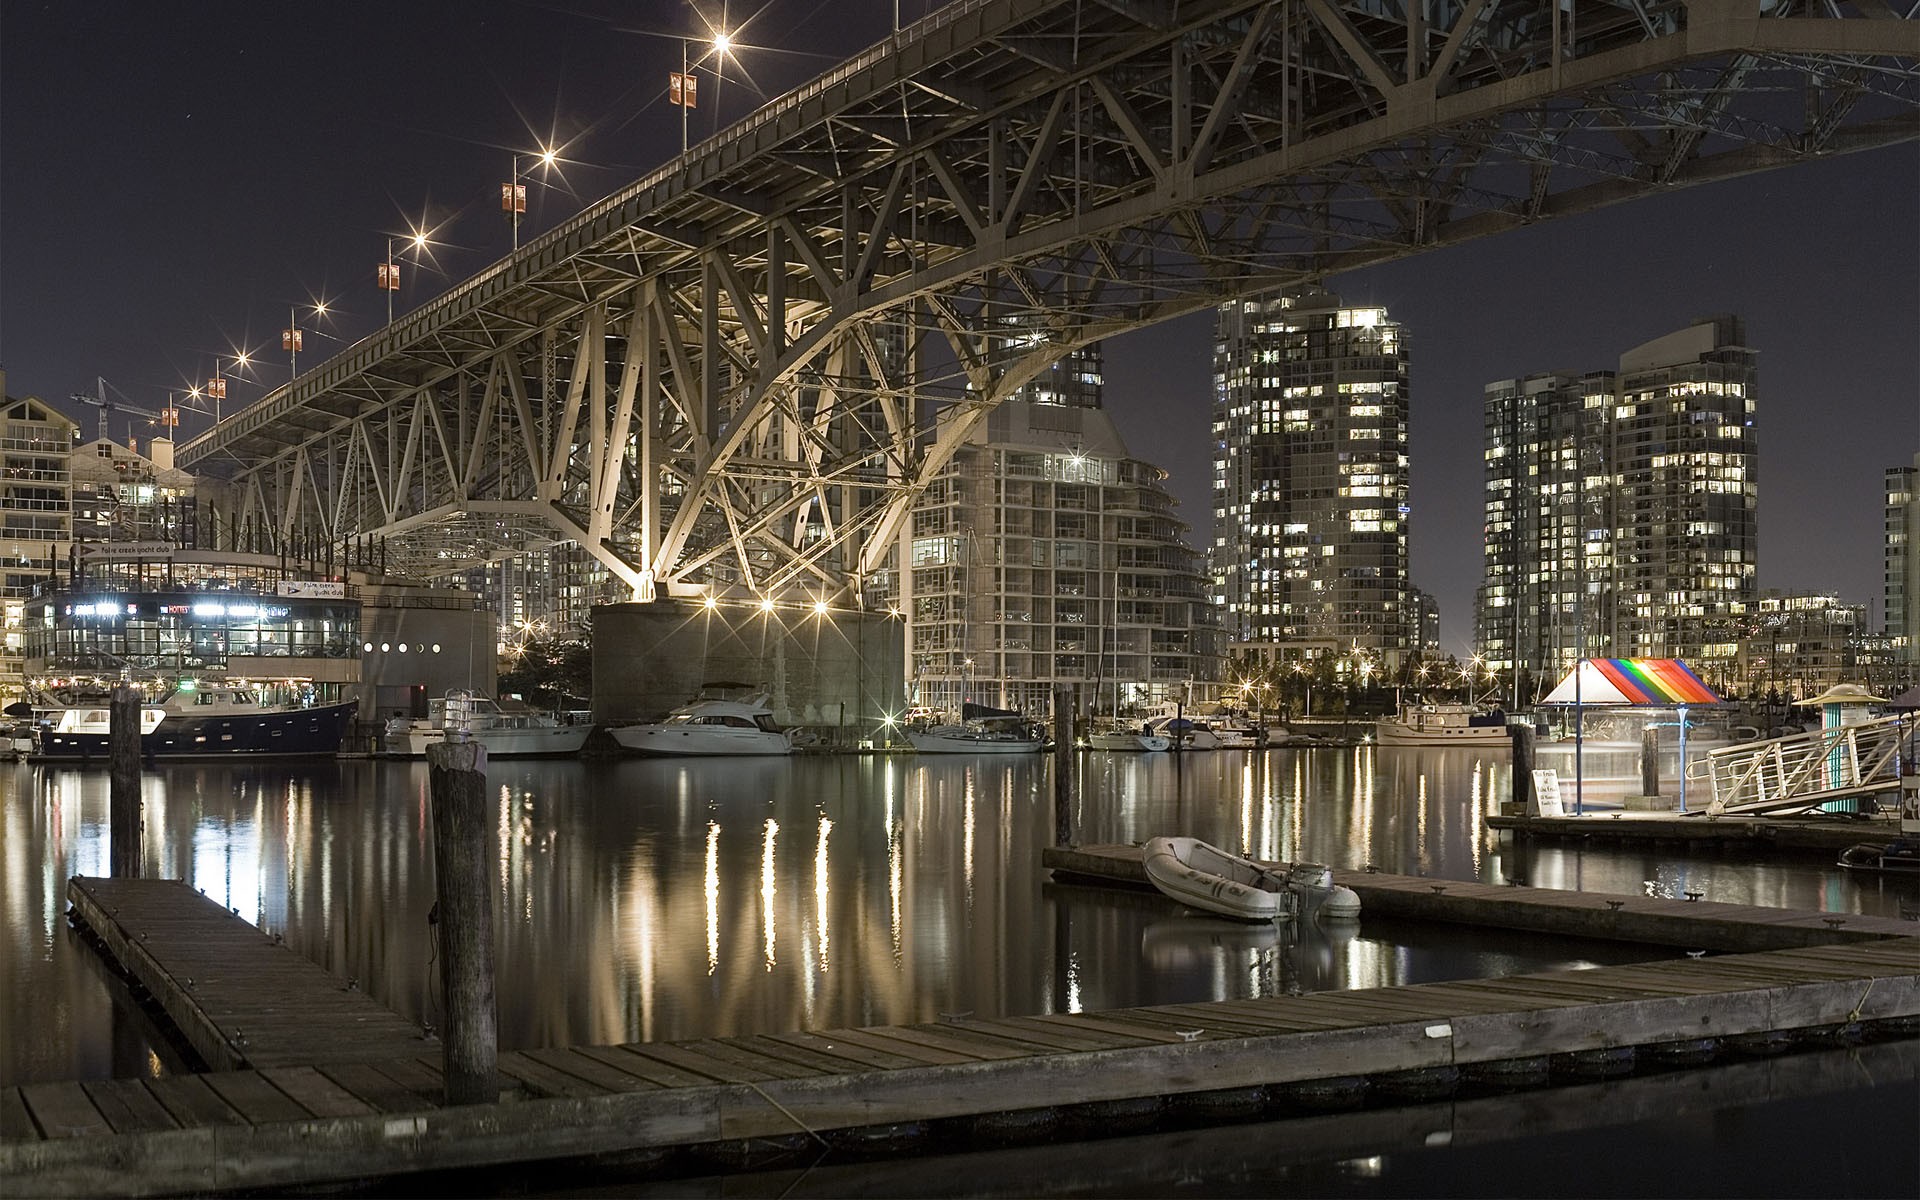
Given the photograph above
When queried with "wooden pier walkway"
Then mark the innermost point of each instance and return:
(1654, 920)
(239, 997)
(330, 1119)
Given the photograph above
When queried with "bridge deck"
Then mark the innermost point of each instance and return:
(241, 998)
(331, 1120)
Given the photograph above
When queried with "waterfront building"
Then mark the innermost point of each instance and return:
(167, 614)
(36, 509)
(1620, 508)
(1046, 553)
(1310, 510)
(1423, 607)
(1548, 492)
(122, 496)
(1901, 586)
(1799, 644)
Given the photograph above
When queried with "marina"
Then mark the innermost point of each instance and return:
(746, 962)
(257, 1128)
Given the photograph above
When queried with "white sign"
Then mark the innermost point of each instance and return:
(1546, 795)
(128, 549)
(318, 589)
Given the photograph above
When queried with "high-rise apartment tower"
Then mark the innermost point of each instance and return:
(1310, 476)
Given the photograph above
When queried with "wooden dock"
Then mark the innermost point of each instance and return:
(239, 997)
(1821, 837)
(1653, 920)
(330, 1120)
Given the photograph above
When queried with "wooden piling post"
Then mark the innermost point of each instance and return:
(1522, 736)
(123, 786)
(457, 782)
(1063, 764)
(1650, 761)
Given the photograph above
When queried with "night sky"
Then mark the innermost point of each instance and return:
(173, 177)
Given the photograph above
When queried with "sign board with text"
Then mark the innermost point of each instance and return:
(1546, 795)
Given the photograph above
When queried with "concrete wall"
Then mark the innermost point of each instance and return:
(420, 653)
(836, 669)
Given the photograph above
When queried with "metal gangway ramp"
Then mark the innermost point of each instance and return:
(1803, 771)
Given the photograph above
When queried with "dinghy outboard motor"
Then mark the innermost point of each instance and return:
(1312, 884)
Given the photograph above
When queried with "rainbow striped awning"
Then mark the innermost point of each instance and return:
(1663, 682)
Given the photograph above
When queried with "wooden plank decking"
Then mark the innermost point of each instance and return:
(239, 997)
(1655, 920)
(315, 1122)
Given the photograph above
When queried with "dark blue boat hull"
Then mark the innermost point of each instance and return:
(295, 733)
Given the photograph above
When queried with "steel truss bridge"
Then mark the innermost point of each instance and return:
(736, 374)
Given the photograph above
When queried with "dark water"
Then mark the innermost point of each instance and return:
(656, 900)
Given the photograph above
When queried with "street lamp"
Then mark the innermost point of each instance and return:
(683, 89)
(389, 274)
(292, 339)
(217, 386)
(513, 194)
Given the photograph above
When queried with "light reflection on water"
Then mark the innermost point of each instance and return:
(660, 900)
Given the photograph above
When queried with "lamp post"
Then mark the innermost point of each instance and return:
(389, 273)
(217, 386)
(513, 194)
(389, 277)
(290, 341)
(683, 89)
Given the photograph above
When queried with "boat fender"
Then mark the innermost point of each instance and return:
(1342, 903)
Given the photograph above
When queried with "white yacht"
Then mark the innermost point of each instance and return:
(709, 727)
(517, 733)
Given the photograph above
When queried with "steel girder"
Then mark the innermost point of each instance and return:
(737, 373)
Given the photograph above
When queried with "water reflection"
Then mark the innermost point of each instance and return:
(660, 900)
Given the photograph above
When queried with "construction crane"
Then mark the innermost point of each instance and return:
(169, 417)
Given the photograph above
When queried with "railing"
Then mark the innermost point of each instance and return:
(1802, 771)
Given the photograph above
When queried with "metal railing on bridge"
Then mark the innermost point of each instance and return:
(1803, 771)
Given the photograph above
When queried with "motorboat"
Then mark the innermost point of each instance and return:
(982, 730)
(1444, 725)
(1213, 880)
(201, 721)
(1900, 856)
(709, 727)
(1127, 740)
(1183, 733)
(506, 733)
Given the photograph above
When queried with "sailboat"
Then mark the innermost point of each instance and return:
(1116, 737)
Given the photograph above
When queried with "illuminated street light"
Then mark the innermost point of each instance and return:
(513, 194)
(683, 89)
(389, 275)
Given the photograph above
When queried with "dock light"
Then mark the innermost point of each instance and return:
(712, 604)
(766, 605)
(819, 608)
(722, 42)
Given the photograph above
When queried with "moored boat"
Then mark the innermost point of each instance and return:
(1901, 856)
(1126, 740)
(709, 727)
(201, 722)
(505, 733)
(1444, 725)
(1206, 877)
(982, 730)
(1183, 733)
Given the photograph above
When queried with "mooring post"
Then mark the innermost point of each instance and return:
(457, 781)
(1063, 779)
(1650, 761)
(123, 786)
(1522, 736)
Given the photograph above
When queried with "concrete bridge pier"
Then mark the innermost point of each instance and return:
(837, 671)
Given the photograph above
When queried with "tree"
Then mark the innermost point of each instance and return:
(548, 672)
